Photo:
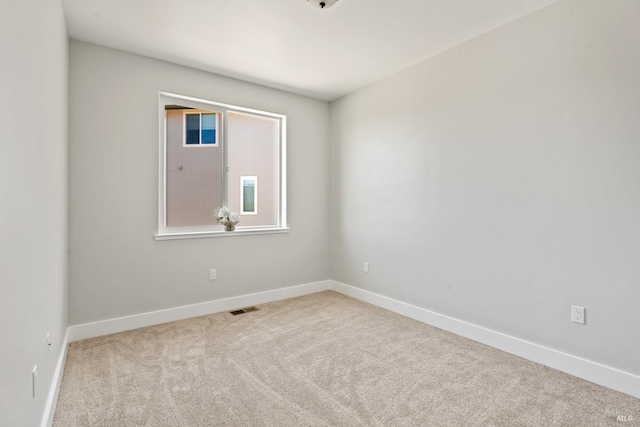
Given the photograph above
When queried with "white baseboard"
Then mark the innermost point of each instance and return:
(606, 376)
(52, 398)
(127, 323)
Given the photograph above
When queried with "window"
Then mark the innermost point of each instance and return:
(249, 195)
(239, 145)
(200, 129)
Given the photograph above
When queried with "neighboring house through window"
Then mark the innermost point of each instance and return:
(238, 145)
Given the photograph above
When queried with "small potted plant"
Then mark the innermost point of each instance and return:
(228, 218)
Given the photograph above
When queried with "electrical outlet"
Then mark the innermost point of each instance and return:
(366, 267)
(47, 343)
(212, 274)
(577, 314)
(34, 377)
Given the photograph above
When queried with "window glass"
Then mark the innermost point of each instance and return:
(249, 195)
(239, 148)
(208, 128)
(253, 152)
(193, 128)
(194, 177)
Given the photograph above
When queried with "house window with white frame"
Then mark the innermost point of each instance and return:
(248, 195)
(244, 145)
(200, 129)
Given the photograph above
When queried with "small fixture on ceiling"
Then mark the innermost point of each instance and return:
(323, 4)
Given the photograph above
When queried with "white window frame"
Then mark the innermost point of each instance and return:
(255, 194)
(184, 128)
(170, 233)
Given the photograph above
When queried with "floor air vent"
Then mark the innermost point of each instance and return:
(244, 310)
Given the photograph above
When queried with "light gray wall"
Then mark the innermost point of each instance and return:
(116, 267)
(33, 207)
(498, 182)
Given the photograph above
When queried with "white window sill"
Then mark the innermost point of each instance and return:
(221, 233)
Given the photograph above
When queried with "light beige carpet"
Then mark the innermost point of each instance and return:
(318, 360)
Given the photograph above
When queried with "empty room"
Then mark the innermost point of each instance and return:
(320, 213)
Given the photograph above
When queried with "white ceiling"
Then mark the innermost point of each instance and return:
(289, 44)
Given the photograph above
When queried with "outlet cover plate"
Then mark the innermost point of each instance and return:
(577, 314)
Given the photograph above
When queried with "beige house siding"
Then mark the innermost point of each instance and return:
(253, 151)
(194, 192)
(194, 173)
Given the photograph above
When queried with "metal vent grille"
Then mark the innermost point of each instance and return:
(244, 310)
